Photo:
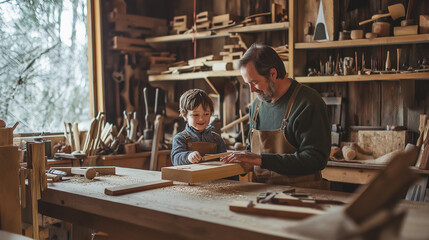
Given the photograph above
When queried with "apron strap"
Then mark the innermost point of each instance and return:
(187, 136)
(255, 115)
(290, 105)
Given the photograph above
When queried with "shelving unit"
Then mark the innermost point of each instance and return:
(193, 76)
(409, 39)
(220, 33)
(361, 78)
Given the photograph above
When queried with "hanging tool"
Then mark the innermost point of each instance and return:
(149, 117)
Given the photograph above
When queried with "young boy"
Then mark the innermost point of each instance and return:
(198, 138)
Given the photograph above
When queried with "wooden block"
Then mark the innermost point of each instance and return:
(273, 210)
(382, 142)
(220, 19)
(203, 25)
(180, 21)
(98, 169)
(119, 190)
(424, 24)
(203, 17)
(6, 136)
(406, 30)
(10, 209)
(129, 44)
(201, 172)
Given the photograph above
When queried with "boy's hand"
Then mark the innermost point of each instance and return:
(194, 157)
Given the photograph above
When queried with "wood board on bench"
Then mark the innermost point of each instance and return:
(201, 172)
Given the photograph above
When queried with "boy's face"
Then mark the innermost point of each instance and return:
(198, 118)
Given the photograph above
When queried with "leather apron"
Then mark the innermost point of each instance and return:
(275, 141)
(202, 147)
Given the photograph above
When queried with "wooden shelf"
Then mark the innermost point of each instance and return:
(220, 33)
(261, 28)
(409, 39)
(357, 78)
(193, 76)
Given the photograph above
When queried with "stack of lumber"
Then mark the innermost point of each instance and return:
(203, 22)
(160, 61)
(179, 24)
(232, 52)
(282, 51)
(136, 25)
(222, 21)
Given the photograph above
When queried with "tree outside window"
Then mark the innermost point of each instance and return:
(43, 64)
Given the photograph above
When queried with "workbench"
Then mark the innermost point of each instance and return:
(182, 211)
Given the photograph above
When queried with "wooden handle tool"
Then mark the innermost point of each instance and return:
(208, 157)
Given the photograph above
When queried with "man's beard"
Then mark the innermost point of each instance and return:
(269, 94)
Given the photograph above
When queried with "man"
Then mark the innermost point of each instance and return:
(290, 134)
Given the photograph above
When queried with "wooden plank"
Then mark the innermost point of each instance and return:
(100, 170)
(274, 210)
(129, 44)
(201, 172)
(124, 189)
(349, 175)
(409, 39)
(10, 209)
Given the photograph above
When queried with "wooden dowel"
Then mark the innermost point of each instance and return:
(214, 156)
(233, 123)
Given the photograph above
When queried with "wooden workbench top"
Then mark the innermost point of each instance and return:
(189, 211)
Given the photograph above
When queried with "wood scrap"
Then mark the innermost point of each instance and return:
(273, 210)
(120, 190)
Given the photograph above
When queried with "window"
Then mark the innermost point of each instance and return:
(43, 64)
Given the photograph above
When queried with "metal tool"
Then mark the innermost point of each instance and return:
(150, 117)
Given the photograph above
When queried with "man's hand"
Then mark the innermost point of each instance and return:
(194, 157)
(243, 157)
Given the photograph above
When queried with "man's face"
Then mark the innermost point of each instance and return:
(264, 88)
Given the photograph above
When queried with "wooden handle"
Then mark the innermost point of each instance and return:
(374, 18)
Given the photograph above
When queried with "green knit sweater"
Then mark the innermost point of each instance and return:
(308, 130)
